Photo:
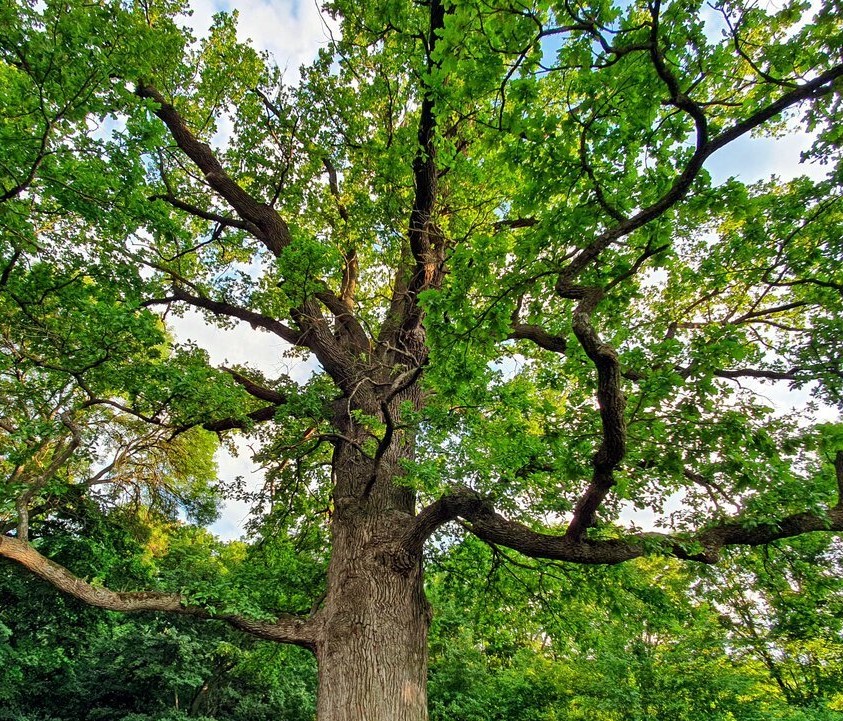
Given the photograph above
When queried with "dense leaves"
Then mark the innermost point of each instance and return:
(642, 641)
(524, 305)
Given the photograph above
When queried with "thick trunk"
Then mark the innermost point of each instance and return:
(372, 652)
(372, 641)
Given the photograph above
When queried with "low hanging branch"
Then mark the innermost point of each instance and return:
(286, 629)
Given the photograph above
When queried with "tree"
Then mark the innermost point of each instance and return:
(555, 641)
(492, 228)
(64, 659)
(789, 620)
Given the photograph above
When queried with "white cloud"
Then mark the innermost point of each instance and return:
(241, 345)
(292, 31)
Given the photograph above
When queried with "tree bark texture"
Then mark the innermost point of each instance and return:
(372, 641)
(372, 650)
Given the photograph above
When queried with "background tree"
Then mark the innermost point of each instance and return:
(644, 640)
(492, 228)
(64, 659)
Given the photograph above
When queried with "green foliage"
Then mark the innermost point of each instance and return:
(759, 639)
(66, 661)
(736, 277)
(641, 641)
(553, 128)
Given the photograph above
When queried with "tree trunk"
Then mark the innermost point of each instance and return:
(372, 645)
(372, 652)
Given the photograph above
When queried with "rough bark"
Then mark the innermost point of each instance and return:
(372, 645)
(372, 650)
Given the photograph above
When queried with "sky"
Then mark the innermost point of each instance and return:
(292, 31)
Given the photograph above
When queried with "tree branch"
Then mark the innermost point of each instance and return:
(351, 269)
(425, 237)
(610, 399)
(346, 322)
(705, 545)
(206, 214)
(256, 320)
(539, 336)
(41, 154)
(514, 223)
(334, 187)
(255, 389)
(705, 148)
(797, 95)
(267, 413)
(273, 230)
(794, 374)
(314, 333)
(286, 629)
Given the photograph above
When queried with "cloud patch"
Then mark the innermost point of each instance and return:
(291, 31)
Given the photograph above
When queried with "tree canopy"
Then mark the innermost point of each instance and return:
(491, 229)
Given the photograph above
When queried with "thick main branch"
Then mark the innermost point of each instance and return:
(273, 231)
(705, 545)
(612, 404)
(424, 268)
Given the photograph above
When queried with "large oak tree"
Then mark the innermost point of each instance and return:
(491, 227)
